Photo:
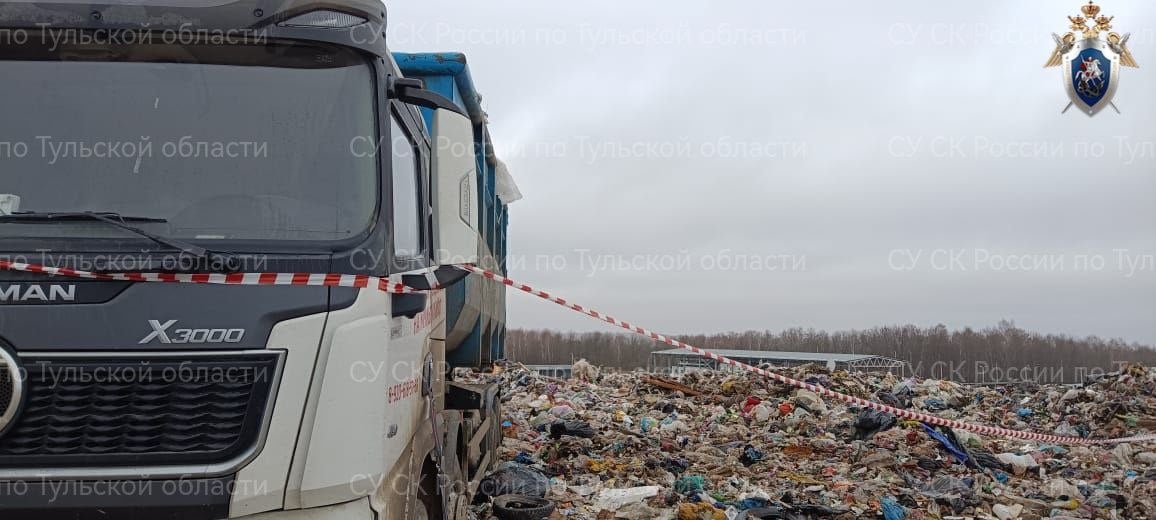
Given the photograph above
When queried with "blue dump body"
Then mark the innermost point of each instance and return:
(474, 338)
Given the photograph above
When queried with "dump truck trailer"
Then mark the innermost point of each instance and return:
(211, 137)
(476, 316)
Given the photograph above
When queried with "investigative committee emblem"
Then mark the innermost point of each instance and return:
(1090, 56)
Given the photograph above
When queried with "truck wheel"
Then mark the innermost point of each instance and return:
(423, 512)
(521, 507)
(452, 484)
(429, 497)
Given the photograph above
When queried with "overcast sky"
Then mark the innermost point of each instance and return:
(716, 166)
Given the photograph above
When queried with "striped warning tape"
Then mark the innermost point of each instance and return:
(300, 279)
(383, 284)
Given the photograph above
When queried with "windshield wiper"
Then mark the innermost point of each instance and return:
(227, 261)
(41, 216)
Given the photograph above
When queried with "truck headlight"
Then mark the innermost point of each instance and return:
(324, 18)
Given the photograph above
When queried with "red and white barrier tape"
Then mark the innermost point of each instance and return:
(382, 284)
(298, 279)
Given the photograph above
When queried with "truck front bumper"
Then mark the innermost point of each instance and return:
(187, 499)
(356, 510)
(194, 499)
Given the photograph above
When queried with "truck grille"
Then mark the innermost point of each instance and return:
(6, 389)
(139, 411)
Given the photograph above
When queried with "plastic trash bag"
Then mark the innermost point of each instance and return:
(869, 422)
(954, 492)
(761, 513)
(676, 465)
(512, 478)
(571, 428)
(946, 443)
(892, 510)
(893, 400)
(750, 456)
(505, 186)
(615, 499)
(934, 405)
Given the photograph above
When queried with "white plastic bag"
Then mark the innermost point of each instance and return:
(9, 204)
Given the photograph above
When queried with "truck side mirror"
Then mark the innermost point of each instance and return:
(413, 92)
(457, 239)
(455, 190)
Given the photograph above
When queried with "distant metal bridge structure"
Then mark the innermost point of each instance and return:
(557, 371)
(678, 361)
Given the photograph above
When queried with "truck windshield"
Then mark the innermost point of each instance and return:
(238, 142)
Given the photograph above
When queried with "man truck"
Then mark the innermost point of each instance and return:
(242, 136)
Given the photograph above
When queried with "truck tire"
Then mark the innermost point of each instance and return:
(521, 507)
(429, 496)
(454, 486)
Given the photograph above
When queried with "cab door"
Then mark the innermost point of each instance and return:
(416, 317)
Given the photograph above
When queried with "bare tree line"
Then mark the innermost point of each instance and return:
(1000, 353)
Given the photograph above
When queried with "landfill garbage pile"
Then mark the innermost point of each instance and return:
(719, 445)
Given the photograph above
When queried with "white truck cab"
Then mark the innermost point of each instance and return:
(257, 137)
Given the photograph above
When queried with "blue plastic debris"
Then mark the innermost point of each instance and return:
(750, 456)
(955, 451)
(892, 510)
(751, 503)
(1025, 412)
(690, 484)
(934, 405)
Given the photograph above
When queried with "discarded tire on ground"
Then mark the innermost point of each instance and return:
(521, 507)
